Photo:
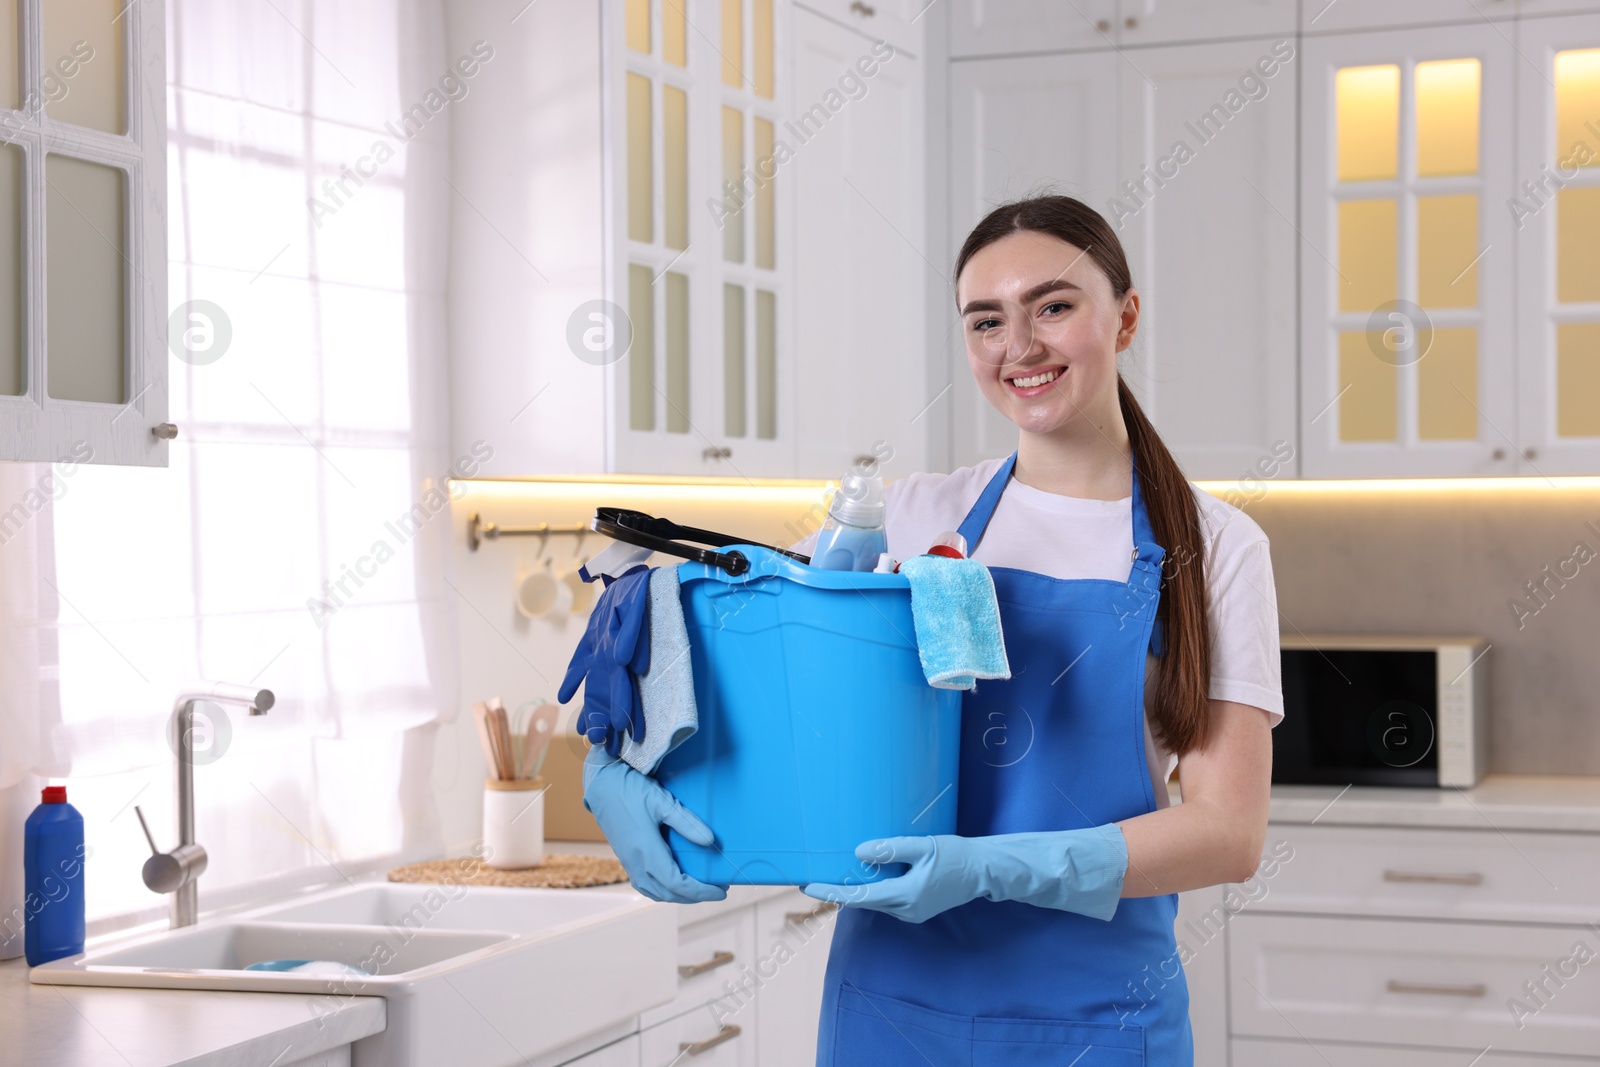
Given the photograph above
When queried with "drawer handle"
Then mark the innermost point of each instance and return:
(694, 1048)
(799, 917)
(1477, 989)
(692, 969)
(1471, 878)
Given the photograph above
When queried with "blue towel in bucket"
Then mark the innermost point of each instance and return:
(957, 620)
(666, 689)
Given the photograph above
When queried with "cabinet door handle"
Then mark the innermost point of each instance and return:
(799, 917)
(166, 431)
(717, 453)
(866, 11)
(1470, 878)
(689, 970)
(694, 1048)
(1476, 989)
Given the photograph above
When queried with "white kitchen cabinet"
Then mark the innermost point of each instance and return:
(998, 153)
(1199, 930)
(1411, 983)
(1007, 27)
(1003, 27)
(700, 228)
(83, 236)
(793, 935)
(858, 177)
(1205, 211)
(1213, 363)
(1557, 212)
(1142, 22)
(1388, 944)
(1334, 16)
(1255, 1052)
(1406, 253)
(624, 1053)
(1535, 8)
(1465, 875)
(699, 1039)
(895, 21)
(627, 292)
(714, 956)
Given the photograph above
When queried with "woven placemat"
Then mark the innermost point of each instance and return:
(556, 872)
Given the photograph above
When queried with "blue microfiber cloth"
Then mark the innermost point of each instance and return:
(666, 689)
(957, 621)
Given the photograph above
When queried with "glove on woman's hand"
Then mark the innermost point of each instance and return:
(1069, 870)
(631, 808)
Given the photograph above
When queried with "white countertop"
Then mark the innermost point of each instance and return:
(1499, 802)
(69, 1026)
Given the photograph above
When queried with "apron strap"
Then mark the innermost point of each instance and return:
(1147, 554)
(977, 520)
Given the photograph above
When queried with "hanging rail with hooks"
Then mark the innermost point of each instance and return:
(479, 531)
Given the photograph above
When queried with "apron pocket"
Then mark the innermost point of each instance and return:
(874, 1030)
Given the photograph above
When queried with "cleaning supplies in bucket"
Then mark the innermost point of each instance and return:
(852, 536)
(816, 728)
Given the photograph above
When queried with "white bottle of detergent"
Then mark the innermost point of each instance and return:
(852, 538)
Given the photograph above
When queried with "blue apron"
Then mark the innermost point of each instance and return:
(1058, 746)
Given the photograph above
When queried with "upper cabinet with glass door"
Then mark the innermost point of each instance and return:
(701, 236)
(1556, 211)
(83, 232)
(1407, 362)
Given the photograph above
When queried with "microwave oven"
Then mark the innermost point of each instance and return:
(1382, 710)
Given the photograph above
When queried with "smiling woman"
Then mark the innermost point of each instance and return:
(1012, 940)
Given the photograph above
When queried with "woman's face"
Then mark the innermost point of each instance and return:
(1037, 310)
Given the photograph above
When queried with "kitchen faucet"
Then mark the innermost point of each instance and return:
(177, 871)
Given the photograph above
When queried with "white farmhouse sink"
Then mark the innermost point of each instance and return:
(476, 976)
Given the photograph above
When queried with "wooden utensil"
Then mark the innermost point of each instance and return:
(540, 729)
(480, 717)
(500, 733)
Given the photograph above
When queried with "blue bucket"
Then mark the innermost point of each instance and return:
(818, 730)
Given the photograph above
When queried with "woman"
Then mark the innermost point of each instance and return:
(1042, 933)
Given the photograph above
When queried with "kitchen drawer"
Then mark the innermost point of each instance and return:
(710, 953)
(1398, 982)
(793, 934)
(699, 1040)
(1248, 1052)
(1433, 874)
(624, 1053)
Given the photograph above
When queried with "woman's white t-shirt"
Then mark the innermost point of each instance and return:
(1075, 537)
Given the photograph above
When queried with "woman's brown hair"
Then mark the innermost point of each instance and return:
(1181, 714)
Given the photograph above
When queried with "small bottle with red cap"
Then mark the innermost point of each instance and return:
(52, 869)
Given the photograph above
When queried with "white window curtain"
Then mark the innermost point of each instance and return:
(298, 539)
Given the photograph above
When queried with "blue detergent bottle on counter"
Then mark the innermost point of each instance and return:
(852, 538)
(52, 869)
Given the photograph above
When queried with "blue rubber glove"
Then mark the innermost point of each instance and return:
(631, 808)
(614, 650)
(1069, 870)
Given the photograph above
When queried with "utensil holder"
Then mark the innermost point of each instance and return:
(513, 822)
